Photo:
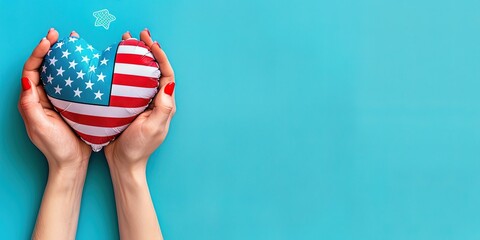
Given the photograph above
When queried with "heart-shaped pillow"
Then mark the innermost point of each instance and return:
(99, 93)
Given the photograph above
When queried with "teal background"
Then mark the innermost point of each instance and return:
(306, 119)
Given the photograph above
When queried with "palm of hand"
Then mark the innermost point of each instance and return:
(150, 128)
(44, 125)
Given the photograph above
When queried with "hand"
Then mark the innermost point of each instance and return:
(132, 149)
(45, 127)
(66, 154)
(127, 156)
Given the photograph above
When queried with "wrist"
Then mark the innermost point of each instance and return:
(124, 167)
(134, 173)
(68, 162)
(68, 175)
(68, 171)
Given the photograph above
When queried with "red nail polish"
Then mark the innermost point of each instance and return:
(169, 88)
(158, 44)
(146, 29)
(25, 84)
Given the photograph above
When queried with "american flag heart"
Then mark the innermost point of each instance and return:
(99, 93)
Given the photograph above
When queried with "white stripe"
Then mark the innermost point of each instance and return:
(138, 70)
(95, 131)
(138, 50)
(94, 110)
(130, 91)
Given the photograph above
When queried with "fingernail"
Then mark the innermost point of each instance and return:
(72, 33)
(146, 29)
(42, 39)
(49, 30)
(158, 44)
(169, 88)
(25, 84)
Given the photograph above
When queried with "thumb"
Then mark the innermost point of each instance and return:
(29, 104)
(164, 105)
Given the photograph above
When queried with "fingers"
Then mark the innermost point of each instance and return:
(52, 36)
(30, 69)
(126, 35)
(164, 103)
(74, 34)
(146, 38)
(36, 58)
(160, 56)
(29, 104)
(164, 106)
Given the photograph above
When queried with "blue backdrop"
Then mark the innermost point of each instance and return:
(309, 119)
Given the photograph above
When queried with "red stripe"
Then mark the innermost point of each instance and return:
(135, 59)
(119, 101)
(96, 120)
(134, 42)
(95, 139)
(134, 80)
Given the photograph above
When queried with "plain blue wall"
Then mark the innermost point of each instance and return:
(296, 119)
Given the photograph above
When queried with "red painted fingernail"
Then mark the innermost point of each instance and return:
(25, 84)
(146, 29)
(169, 88)
(158, 44)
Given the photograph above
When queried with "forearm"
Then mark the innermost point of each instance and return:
(136, 214)
(58, 214)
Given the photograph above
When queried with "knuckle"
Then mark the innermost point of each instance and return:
(24, 103)
(154, 129)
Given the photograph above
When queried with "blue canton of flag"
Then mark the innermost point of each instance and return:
(78, 72)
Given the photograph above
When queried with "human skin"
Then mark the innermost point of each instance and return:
(127, 156)
(68, 156)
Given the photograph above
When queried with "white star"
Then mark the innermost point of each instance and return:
(98, 95)
(72, 39)
(77, 92)
(79, 48)
(104, 61)
(90, 47)
(72, 64)
(85, 59)
(80, 74)
(68, 82)
(49, 78)
(44, 68)
(52, 61)
(101, 77)
(89, 85)
(92, 69)
(59, 45)
(58, 89)
(96, 55)
(108, 49)
(60, 71)
(65, 54)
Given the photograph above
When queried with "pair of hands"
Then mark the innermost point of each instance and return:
(64, 151)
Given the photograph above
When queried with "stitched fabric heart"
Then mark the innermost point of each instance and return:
(99, 93)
